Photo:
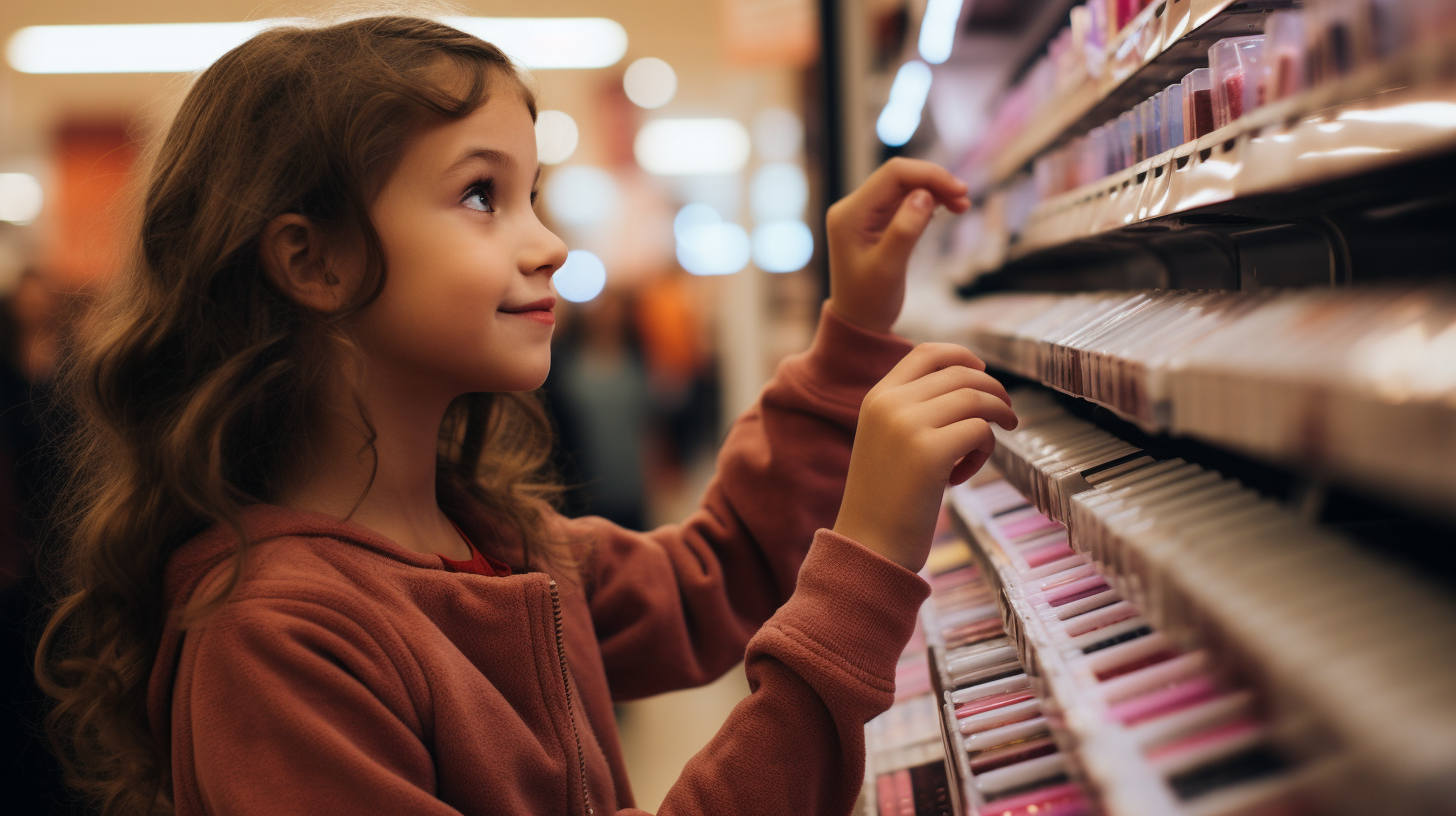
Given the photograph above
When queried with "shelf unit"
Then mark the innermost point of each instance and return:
(1383, 117)
(917, 758)
(1393, 751)
(1196, 364)
(1275, 296)
(1103, 756)
(1152, 51)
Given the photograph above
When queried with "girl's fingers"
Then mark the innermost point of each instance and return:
(969, 436)
(929, 357)
(897, 177)
(954, 378)
(968, 466)
(963, 404)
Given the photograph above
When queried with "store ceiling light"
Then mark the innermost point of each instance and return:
(536, 42)
(692, 147)
(551, 42)
(938, 30)
(21, 198)
(901, 115)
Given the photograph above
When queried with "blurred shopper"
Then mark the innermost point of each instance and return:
(682, 373)
(600, 389)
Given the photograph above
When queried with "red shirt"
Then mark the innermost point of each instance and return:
(479, 564)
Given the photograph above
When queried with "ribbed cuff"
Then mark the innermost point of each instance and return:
(844, 356)
(856, 604)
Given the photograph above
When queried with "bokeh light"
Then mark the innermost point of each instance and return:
(650, 82)
(556, 136)
(782, 246)
(713, 249)
(696, 214)
(938, 30)
(581, 278)
(580, 195)
(778, 133)
(901, 115)
(21, 198)
(692, 147)
(779, 190)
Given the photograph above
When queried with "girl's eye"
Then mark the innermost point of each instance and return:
(478, 197)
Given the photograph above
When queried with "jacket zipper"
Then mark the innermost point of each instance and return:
(566, 681)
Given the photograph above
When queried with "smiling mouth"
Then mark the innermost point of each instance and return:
(539, 311)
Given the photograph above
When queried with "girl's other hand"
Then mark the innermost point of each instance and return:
(871, 232)
(925, 425)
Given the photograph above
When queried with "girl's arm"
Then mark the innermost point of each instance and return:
(675, 607)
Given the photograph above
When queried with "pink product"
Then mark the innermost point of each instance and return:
(1047, 553)
(1074, 591)
(1164, 701)
(1284, 31)
(1197, 104)
(1028, 526)
(1239, 77)
(1126, 10)
(1038, 802)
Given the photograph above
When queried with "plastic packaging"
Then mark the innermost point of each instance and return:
(1285, 34)
(1197, 104)
(1239, 70)
(1171, 100)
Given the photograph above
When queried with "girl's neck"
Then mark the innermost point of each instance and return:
(396, 497)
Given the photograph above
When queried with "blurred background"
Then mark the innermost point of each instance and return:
(683, 144)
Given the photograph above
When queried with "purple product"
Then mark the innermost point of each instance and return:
(1172, 125)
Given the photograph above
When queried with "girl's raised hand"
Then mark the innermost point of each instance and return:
(925, 425)
(871, 232)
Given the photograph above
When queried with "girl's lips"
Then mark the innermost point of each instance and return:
(539, 311)
(543, 316)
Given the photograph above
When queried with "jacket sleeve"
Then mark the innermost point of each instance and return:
(818, 670)
(675, 607)
(294, 708)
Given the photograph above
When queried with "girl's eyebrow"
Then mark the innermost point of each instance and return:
(490, 156)
(484, 154)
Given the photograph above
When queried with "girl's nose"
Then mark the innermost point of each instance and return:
(547, 252)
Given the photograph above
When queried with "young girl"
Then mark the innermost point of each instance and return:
(314, 568)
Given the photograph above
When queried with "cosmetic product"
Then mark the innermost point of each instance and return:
(1197, 104)
(1284, 31)
(1238, 70)
(1171, 126)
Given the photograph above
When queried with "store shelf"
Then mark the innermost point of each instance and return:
(1346, 650)
(1381, 118)
(1107, 759)
(1153, 50)
(1357, 385)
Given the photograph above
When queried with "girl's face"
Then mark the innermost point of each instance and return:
(467, 304)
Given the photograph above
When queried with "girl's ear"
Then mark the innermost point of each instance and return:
(299, 261)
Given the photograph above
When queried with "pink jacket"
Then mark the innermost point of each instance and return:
(348, 675)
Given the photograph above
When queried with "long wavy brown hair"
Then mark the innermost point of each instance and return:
(197, 382)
